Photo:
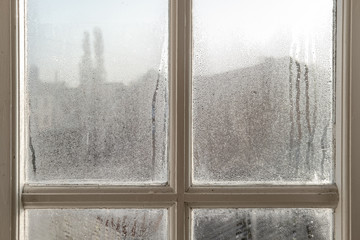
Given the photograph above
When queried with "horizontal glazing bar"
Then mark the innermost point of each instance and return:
(264, 197)
(253, 189)
(102, 200)
(298, 196)
(94, 189)
(280, 201)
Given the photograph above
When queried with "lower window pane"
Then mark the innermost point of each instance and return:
(48, 224)
(265, 224)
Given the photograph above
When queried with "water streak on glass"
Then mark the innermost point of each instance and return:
(262, 224)
(131, 224)
(97, 91)
(263, 92)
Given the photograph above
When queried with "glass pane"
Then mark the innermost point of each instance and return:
(48, 224)
(262, 224)
(97, 84)
(263, 91)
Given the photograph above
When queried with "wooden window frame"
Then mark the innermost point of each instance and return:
(179, 197)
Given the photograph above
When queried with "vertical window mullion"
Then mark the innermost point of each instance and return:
(341, 100)
(183, 109)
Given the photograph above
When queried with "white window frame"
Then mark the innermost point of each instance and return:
(180, 196)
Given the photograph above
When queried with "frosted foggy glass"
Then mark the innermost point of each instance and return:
(131, 224)
(262, 224)
(97, 90)
(263, 92)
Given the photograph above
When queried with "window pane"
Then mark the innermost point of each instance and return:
(262, 224)
(97, 82)
(263, 91)
(48, 224)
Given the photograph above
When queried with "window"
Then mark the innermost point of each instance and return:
(170, 205)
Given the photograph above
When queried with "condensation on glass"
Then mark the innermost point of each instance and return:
(263, 92)
(97, 91)
(52, 224)
(262, 224)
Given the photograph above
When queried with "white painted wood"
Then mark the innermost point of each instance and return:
(267, 189)
(97, 200)
(173, 113)
(181, 121)
(188, 219)
(68, 189)
(264, 196)
(355, 121)
(5, 119)
(342, 119)
(285, 196)
(281, 200)
(180, 197)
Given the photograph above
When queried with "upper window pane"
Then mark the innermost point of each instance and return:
(263, 91)
(97, 91)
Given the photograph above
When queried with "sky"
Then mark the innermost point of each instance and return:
(134, 32)
(228, 34)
